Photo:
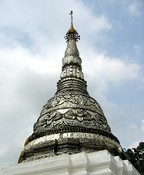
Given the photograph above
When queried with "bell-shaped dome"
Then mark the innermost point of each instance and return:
(71, 121)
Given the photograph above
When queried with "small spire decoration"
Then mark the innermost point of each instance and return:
(71, 14)
(72, 33)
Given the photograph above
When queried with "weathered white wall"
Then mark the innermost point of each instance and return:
(96, 163)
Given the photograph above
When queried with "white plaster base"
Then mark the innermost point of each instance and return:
(96, 163)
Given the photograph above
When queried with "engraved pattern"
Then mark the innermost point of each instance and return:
(72, 117)
(72, 70)
(71, 109)
(72, 99)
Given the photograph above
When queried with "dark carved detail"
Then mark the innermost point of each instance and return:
(73, 117)
(72, 99)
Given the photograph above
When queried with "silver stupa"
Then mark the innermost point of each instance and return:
(71, 121)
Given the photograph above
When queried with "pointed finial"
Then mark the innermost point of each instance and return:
(71, 14)
(72, 33)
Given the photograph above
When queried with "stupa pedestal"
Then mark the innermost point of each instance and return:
(95, 163)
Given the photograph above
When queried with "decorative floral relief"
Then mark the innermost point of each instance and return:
(72, 70)
(62, 99)
(72, 117)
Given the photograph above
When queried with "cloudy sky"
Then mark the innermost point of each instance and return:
(32, 46)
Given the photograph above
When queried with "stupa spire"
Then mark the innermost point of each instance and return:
(72, 76)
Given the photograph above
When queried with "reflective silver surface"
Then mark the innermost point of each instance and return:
(78, 135)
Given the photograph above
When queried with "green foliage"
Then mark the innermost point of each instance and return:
(136, 157)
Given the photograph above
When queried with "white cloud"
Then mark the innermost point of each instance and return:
(136, 134)
(135, 8)
(111, 70)
(43, 24)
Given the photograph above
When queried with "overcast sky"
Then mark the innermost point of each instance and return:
(32, 46)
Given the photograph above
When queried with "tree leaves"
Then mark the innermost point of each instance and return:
(136, 157)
